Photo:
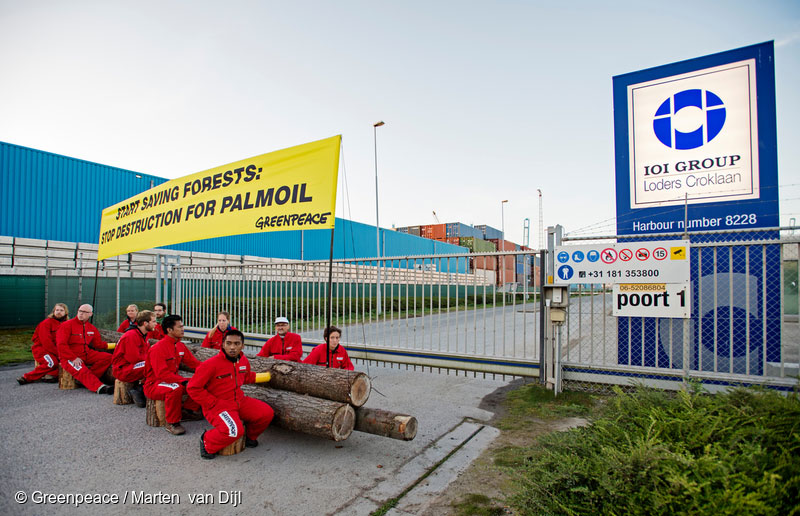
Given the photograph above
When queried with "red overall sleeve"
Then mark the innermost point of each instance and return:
(197, 386)
(315, 355)
(97, 342)
(207, 342)
(44, 333)
(265, 349)
(62, 342)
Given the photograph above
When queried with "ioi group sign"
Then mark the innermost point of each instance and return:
(699, 133)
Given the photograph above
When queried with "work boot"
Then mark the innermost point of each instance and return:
(48, 378)
(22, 380)
(203, 453)
(175, 429)
(250, 443)
(105, 389)
(191, 415)
(138, 396)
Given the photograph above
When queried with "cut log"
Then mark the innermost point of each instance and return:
(386, 423)
(351, 387)
(235, 447)
(156, 412)
(65, 380)
(322, 418)
(114, 336)
(121, 395)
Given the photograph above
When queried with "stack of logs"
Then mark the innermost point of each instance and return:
(315, 400)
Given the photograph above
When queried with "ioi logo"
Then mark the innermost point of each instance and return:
(714, 112)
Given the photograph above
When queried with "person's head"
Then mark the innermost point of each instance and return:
(60, 312)
(160, 309)
(173, 326)
(223, 320)
(146, 320)
(85, 312)
(281, 325)
(332, 335)
(132, 311)
(233, 344)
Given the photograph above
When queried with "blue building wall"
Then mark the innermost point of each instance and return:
(52, 197)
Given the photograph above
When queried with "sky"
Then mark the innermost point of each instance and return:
(482, 101)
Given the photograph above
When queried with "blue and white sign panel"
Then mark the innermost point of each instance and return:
(623, 262)
(702, 133)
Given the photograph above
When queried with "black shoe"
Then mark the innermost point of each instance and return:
(250, 443)
(105, 389)
(22, 381)
(138, 397)
(203, 453)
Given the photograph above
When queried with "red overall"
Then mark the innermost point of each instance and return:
(44, 350)
(216, 385)
(161, 378)
(127, 362)
(339, 358)
(157, 333)
(288, 348)
(215, 341)
(126, 325)
(74, 339)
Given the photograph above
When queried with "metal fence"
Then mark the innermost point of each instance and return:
(743, 328)
(439, 311)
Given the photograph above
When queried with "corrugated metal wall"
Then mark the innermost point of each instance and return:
(53, 197)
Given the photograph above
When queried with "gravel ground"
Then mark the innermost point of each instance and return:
(76, 442)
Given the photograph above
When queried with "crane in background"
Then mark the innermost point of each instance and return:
(436, 218)
(541, 224)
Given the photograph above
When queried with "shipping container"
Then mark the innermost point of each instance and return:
(414, 230)
(402, 230)
(477, 245)
(433, 231)
(485, 262)
(489, 233)
(459, 229)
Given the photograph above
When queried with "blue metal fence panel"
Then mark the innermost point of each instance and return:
(52, 197)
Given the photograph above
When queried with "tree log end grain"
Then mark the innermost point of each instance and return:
(156, 413)
(343, 422)
(386, 423)
(360, 389)
(235, 447)
(66, 381)
(121, 395)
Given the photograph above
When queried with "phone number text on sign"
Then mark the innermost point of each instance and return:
(666, 261)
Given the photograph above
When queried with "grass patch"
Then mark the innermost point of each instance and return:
(477, 505)
(658, 453)
(532, 401)
(15, 346)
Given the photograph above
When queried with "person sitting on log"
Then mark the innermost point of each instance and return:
(130, 322)
(216, 386)
(77, 341)
(284, 345)
(127, 362)
(161, 378)
(217, 334)
(160, 310)
(332, 354)
(44, 350)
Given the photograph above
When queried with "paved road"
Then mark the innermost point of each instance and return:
(61, 442)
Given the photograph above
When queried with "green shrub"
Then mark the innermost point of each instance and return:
(655, 453)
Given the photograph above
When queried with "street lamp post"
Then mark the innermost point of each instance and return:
(377, 220)
(503, 244)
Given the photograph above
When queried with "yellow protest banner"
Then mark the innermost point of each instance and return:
(289, 189)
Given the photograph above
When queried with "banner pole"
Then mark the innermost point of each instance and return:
(329, 311)
(94, 294)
